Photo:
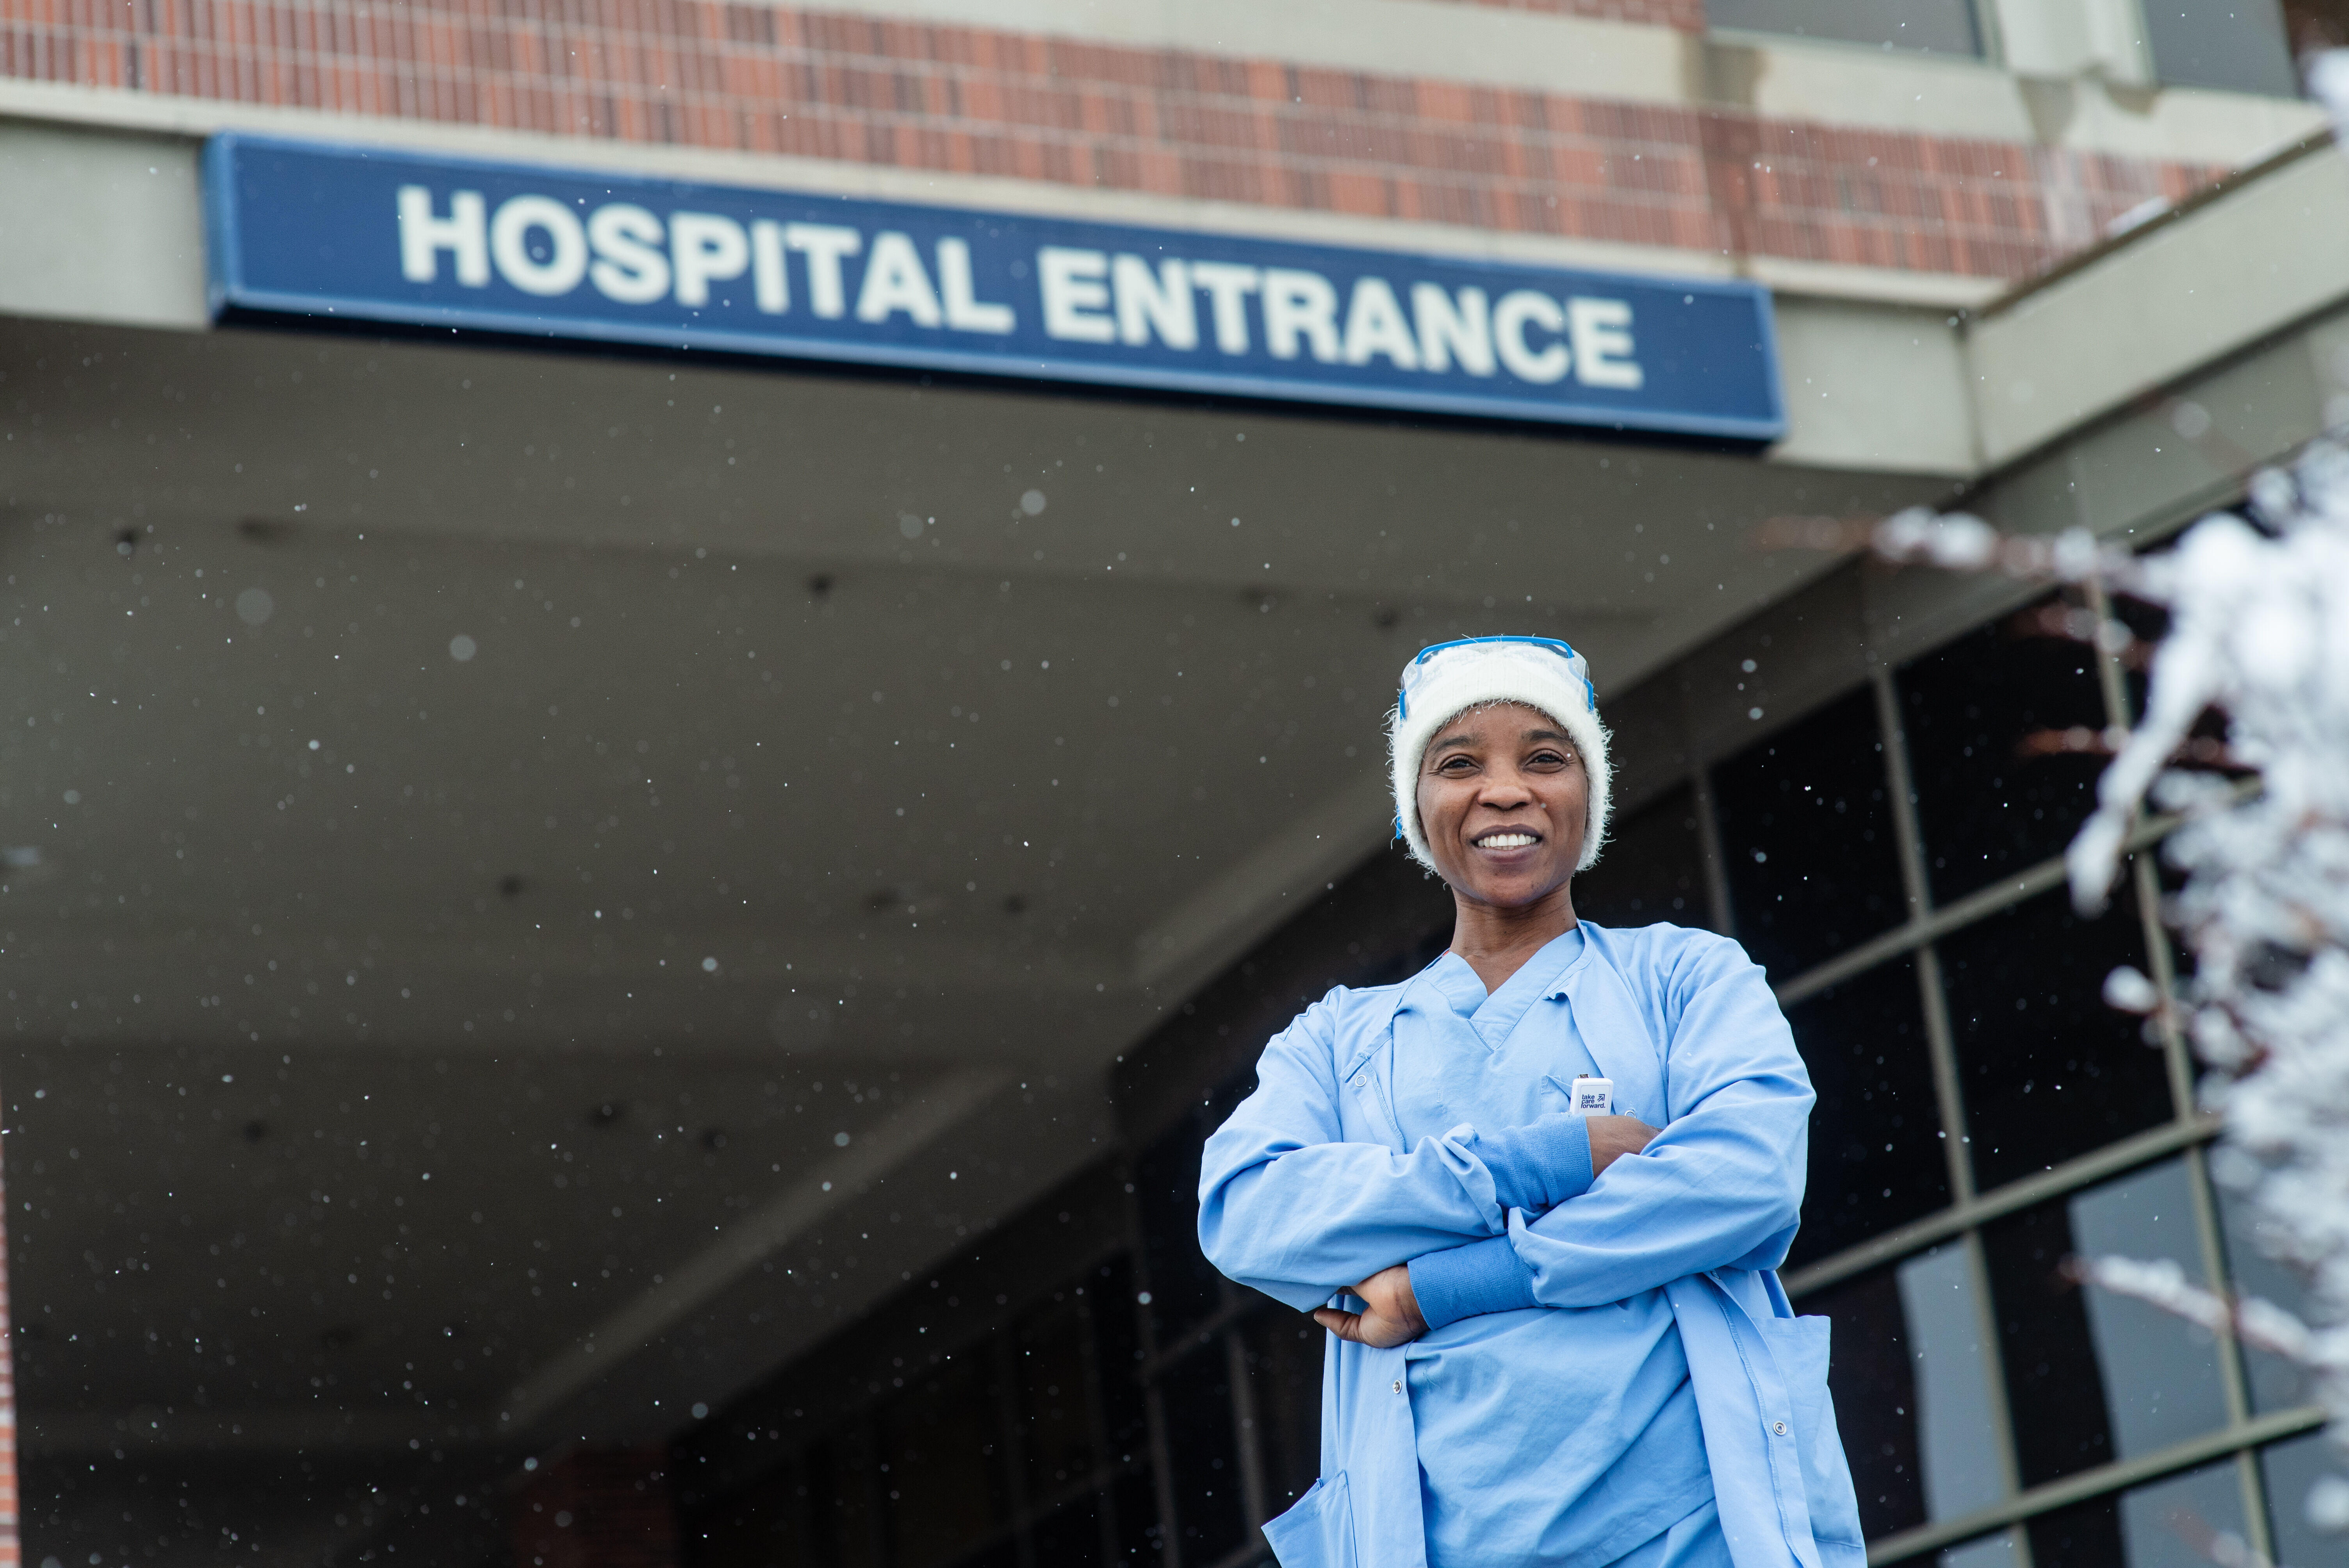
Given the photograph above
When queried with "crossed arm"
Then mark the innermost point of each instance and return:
(1392, 1315)
(1291, 1207)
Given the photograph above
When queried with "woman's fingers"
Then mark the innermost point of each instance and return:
(1372, 1328)
(1344, 1325)
(1612, 1137)
(1394, 1316)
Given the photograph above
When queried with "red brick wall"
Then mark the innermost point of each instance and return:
(750, 77)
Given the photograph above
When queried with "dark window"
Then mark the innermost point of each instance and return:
(2153, 1526)
(1117, 1358)
(1652, 869)
(1074, 1535)
(1051, 1369)
(1004, 1554)
(764, 1528)
(1986, 810)
(945, 1484)
(1136, 1520)
(1015, 1447)
(844, 1523)
(1874, 1398)
(1955, 1411)
(2085, 1535)
(1198, 1397)
(1876, 1158)
(1808, 838)
(2237, 45)
(2054, 1379)
(2161, 1373)
(2290, 1468)
(1184, 1286)
(1940, 26)
(2169, 1520)
(2049, 1072)
(1284, 1360)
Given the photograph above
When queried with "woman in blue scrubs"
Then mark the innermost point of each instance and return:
(1555, 1337)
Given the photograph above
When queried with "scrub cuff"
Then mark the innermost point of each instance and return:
(1540, 1165)
(1466, 1282)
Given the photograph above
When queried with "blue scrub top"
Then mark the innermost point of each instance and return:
(1316, 1182)
(1546, 1435)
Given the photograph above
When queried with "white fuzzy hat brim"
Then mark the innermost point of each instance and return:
(1475, 676)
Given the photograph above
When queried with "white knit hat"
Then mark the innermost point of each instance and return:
(1448, 679)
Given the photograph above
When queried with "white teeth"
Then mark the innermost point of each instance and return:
(1505, 841)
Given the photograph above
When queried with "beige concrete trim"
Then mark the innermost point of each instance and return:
(1877, 286)
(1579, 56)
(1790, 78)
(2138, 232)
(749, 1240)
(199, 117)
(99, 227)
(1873, 387)
(1796, 80)
(192, 118)
(2212, 282)
(1941, 95)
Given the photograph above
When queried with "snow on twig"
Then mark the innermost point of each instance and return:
(2259, 633)
(2258, 608)
(2259, 1323)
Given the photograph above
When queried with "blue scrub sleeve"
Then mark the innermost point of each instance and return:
(1465, 1282)
(1721, 1185)
(1289, 1207)
(1540, 1165)
(1534, 1168)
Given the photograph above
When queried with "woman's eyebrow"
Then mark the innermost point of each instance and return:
(1548, 735)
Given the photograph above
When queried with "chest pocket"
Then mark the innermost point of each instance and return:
(1366, 1107)
(1560, 1097)
(1434, 1098)
(1446, 1072)
(1548, 1064)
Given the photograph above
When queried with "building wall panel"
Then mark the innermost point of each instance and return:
(971, 101)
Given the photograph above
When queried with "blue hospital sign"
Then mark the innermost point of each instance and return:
(375, 236)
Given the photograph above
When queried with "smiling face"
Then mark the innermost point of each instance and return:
(1505, 804)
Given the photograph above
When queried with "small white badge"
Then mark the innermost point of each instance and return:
(1594, 1097)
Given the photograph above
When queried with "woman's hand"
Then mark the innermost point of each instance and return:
(1612, 1137)
(1394, 1316)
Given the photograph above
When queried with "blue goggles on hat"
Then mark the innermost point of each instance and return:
(1414, 671)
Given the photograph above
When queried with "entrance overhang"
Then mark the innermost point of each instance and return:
(441, 769)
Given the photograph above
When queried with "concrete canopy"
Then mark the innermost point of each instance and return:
(694, 830)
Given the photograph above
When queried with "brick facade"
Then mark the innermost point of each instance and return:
(759, 78)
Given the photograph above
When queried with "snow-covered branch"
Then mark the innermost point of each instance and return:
(2258, 634)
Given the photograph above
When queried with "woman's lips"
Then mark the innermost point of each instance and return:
(1510, 840)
